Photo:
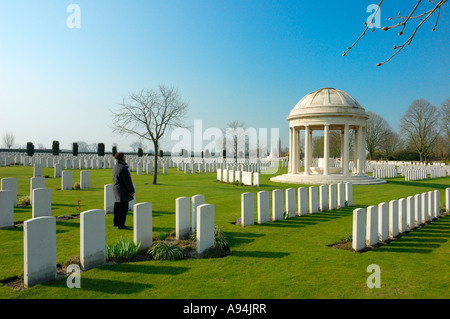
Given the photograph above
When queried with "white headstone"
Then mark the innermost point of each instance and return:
(313, 200)
(332, 201)
(302, 201)
(359, 229)
(142, 225)
(341, 195)
(290, 202)
(85, 179)
(10, 184)
(39, 250)
(372, 225)
(430, 206)
(323, 195)
(182, 217)
(263, 207)
(66, 180)
(383, 221)
(196, 200)
(393, 218)
(256, 179)
(6, 209)
(58, 170)
(247, 209)
(402, 215)
(92, 238)
(437, 209)
(349, 193)
(37, 170)
(424, 213)
(132, 202)
(418, 208)
(36, 182)
(447, 199)
(108, 199)
(42, 202)
(277, 204)
(410, 212)
(205, 230)
(219, 174)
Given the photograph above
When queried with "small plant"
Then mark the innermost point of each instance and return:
(76, 185)
(285, 215)
(163, 251)
(345, 239)
(238, 221)
(162, 236)
(220, 241)
(123, 249)
(25, 201)
(78, 208)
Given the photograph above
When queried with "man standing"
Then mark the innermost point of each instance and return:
(123, 190)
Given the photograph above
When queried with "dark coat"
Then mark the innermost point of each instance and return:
(123, 188)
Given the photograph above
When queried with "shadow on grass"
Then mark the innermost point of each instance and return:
(260, 254)
(312, 219)
(147, 269)
(157, 213)
(422, 240)
(106, 286)
(419, 184)
(236, 238)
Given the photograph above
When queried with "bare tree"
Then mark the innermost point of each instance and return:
(391, 144)
(445, 117)
(93, 147)
(137, 145)
(148, 113)
(335, 144)
(403, 20)
(235, 137)
(317, 146)
(420, 124)
(376, 132)
(8, 139)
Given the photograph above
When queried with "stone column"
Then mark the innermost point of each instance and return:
(291, 151)
(342, 149)
(360, 150)
(307, 150)
(355, 155)
(345, 156)
(326, 149)
(296, 159)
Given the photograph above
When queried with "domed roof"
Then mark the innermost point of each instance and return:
(327, 97)
(327, 101)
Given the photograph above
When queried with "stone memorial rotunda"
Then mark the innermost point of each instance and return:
(326, 110)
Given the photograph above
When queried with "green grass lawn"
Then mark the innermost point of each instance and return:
(283, 259)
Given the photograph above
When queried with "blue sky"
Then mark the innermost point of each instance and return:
(246, 60)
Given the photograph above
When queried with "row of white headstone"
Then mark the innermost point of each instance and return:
(322, 198)
(382, 171)
(232, 176)
(39, 235)
(386, 221)
(419, 173)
